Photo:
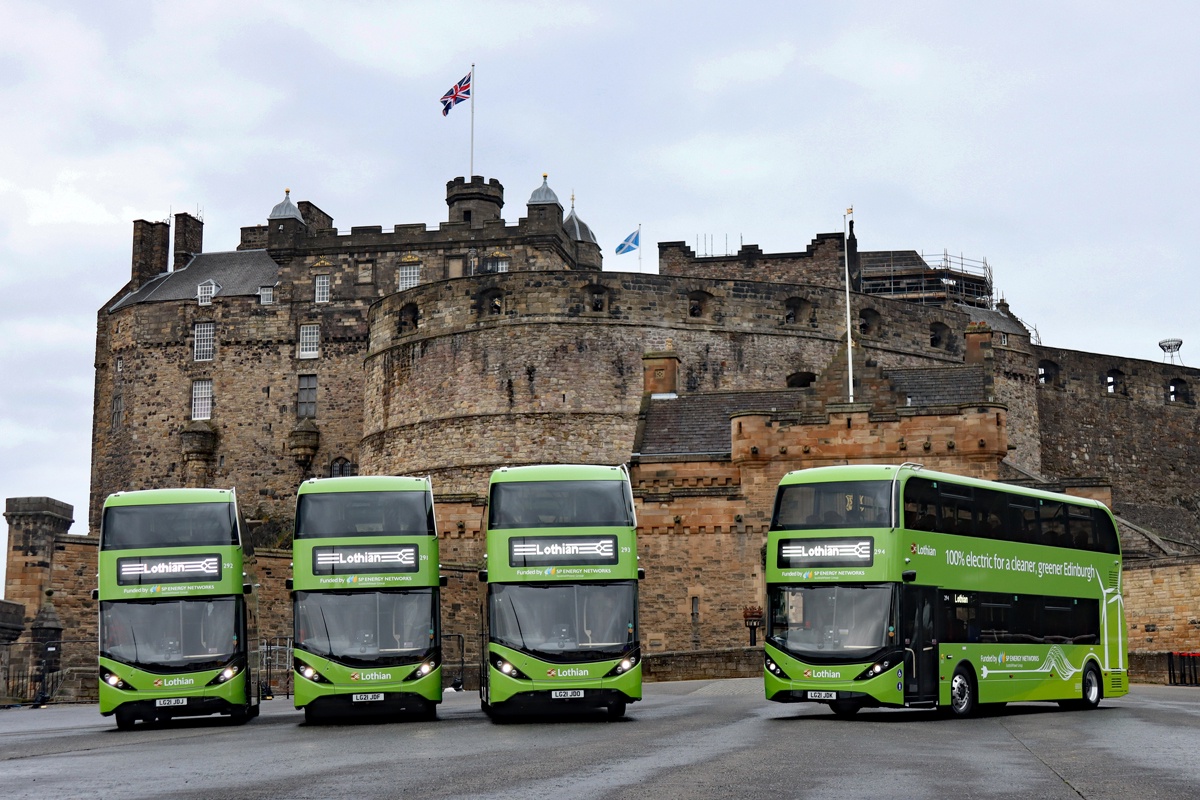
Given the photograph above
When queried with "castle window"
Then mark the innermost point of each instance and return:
(202, 399)
(597, 299)
(491, 303)
(310, 341)
(366, 271)
(306, 397)
(1047, 373)
(798, 311)
(266, 295)
(799, 380)
(341, 468)
(699, 305)
(205, 292)
(321, 289)
(1114, 382)
(408, 318)
(408, 276)
(495, 264)
(466, 215)
(204, 341)
(869, 322)
(1177, 391)
(120, 365)
(118, 411)
(939, 335)
(1003, 339)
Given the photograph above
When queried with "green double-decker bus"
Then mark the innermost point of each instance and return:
(366, 598)
(896, 586)
(177, 621)
(562, 592)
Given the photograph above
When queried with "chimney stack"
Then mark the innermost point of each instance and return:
(189, 238)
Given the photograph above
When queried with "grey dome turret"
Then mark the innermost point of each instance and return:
(286, 209)
(578, 230)
(544, 195)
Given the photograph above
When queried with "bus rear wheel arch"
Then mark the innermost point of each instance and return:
(1092, 690)
(963, 695)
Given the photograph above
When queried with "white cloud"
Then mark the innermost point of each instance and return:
(757, 66)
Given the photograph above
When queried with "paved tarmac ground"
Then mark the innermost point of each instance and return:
(707, 739)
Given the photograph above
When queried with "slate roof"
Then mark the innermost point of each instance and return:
(240, 272)
(697, 424)
(544, 195)
(577, 229)
(995, 320)
(939, 386)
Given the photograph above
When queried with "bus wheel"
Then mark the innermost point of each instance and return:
(239, 715)
(845, 708)
(962, 693)
(1092, 691)
(616, 710)
(312, 716)
(427, 712)
(125, 720)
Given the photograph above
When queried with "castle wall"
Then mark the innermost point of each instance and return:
(1162, 607)
(821, 264)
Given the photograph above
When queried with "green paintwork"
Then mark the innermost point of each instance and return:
(344, 680)
(545, 676)
(190, 684)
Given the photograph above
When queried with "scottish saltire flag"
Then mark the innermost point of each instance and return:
(458, 92)
(631, 242)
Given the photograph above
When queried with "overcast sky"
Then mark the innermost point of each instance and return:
(1055, 139)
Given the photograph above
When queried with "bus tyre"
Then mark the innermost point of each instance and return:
(1093, 692)
(962, 693)
(125, 720)
(845, 708)
(311, 716)
(616, 710)
(239, 715)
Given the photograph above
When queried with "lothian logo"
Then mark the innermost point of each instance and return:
(912, 548)
(354, 676)
(808, 673)
(158, 682)
(551, 673)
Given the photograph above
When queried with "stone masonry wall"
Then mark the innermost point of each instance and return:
(1162, 607)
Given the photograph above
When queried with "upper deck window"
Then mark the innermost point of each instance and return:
(323, 514)
(840, 504)
(557, 504)
(168, 525)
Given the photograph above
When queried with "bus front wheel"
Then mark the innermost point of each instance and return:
(962, 693)
(125, 720)
(616, 710)
(845, 708)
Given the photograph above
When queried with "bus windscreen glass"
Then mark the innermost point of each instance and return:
(332, 514)
(556, 504)
(366, 628)
(171, 525)
(830, 620)
(171, 635)
(566, 622)
(841, 504)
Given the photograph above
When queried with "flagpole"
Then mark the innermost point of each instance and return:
(471, 172)
(849, 339)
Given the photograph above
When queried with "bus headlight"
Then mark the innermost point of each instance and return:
(506, 668)
(225, 675)
(773, 668)
(307, 672)
(115, 681)
(624, 665)
(427, 666)
(878, 668)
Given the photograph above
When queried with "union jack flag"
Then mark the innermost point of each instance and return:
(458, 92)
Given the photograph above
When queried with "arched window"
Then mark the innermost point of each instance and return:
(699, 304)
(939, 335)
(341, 468)
(799, 380)
(1048, 373)
(1114, 382)
(869, 322)
(596, 298)
(1178, 391)
(408, 319)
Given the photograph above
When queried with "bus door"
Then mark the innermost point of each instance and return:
(917, 615)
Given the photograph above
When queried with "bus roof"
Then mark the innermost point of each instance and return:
(558, 472)
(887, 472)
(156, 497)
(365, 483)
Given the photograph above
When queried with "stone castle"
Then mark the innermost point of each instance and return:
(308, 352)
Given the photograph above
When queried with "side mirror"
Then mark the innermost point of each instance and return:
(443, 580)
(288, 584)
(482, 575)
(95, 594)
(247, 588)
(641, 574)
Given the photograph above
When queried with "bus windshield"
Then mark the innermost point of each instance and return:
(554, 504)
(840, 504)
(830, 620)
(170, 525)
(327, 514)
(566, 622)
(365, 628)
(171, 635)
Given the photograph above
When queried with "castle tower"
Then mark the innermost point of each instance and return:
(475, 202)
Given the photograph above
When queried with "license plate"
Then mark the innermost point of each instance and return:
(171, 701)
(566, 694)
(368, 697)
(822, 695)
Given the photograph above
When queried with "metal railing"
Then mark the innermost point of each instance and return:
(1183, 669)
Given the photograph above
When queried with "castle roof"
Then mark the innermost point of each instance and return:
(940, 386)
(544, 195)
(240, 272)
(577, 229)
(286, 209)
(996, 320)
(698, 424)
